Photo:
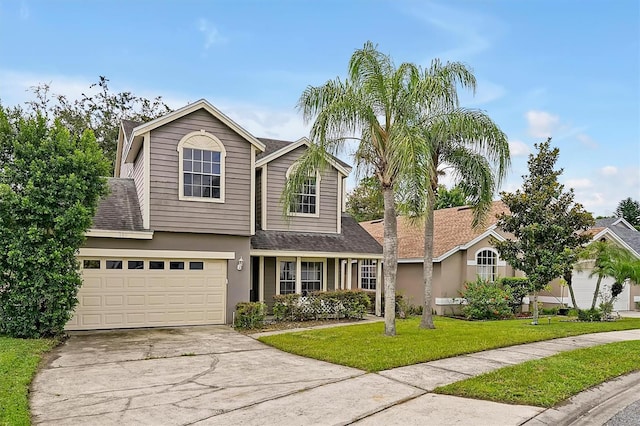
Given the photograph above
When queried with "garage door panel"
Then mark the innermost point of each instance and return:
(584, 287)
(113, 298)
(114, 282)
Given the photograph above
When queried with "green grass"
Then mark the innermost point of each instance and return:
(549, 381)
(19, 360)
(367, 348)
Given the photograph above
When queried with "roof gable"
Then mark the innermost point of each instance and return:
(452, 231)
(278, 148)
(133, 141)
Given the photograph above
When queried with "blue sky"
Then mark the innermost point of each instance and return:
(562, 68)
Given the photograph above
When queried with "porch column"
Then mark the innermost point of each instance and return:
(379, 287)
(349, 274)
(336, 274)
(298, 275)
(261, 279)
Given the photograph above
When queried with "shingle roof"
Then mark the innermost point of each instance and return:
(452, 228)
(353, 239)
(119, 210)
(273, 145)
(629, 236)
(128, 126)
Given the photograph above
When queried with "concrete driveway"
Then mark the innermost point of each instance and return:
(213, 375)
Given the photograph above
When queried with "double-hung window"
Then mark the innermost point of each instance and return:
(306, 198)
(311, 277)
(287, 277)
(368, 274)
(202, 168)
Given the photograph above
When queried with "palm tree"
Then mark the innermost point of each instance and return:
(610, 260)
(465, 142)
(378, 107)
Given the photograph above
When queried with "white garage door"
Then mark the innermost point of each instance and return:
(139, 292)
(583, 287)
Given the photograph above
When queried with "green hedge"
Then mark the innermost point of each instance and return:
(250, 315)
(320, 305)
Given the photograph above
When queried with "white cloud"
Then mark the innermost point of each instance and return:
(609, 171)
(542, 124)
(210, 32)
(586, 140)
(15, 87)
(470, 32)
(609, 186)
(518, 148)
(581, 183)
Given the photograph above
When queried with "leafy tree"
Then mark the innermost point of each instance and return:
(465, 141)
(447, 198)
(629, 210)
(101, 112)
(610, 260)
(365, 201)
(50, 184)
(544, 223)
(378, 105)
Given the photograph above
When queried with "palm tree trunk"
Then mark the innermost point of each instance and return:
(595, 293)
(427, 318)
(568, 278)
(390, 259)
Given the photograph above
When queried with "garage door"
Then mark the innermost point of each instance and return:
(134, 292)
(583, 288)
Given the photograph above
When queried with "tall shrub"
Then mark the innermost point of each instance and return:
(50, 184)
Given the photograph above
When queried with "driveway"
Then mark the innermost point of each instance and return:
(213, 375)
(210, 375)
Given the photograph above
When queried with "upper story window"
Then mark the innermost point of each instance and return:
(486, 263)
(307, 198)
(202, 168)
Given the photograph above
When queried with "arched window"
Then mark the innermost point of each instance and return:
(201, 170)
(486, 263)
(307, 198)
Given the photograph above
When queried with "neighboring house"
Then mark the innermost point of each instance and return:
(193, 225)
(461, 254)
(620, 232)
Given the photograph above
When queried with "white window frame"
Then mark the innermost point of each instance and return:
(204, 141)
(279, 260)
(372, 266)
(298, 271)
(323, 273)
(317, 195)
(494, 272)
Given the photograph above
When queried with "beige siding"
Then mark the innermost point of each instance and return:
(138, 178)
(276, 176)
(170, 214)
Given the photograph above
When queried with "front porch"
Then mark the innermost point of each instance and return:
(274, 273)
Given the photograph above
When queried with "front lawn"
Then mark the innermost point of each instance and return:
(19, 360)
(549, 381)
(366, 347)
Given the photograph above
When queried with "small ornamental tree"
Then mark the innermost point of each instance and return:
(544, 224)
(50, 184)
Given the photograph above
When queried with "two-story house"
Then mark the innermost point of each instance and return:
(194, 224)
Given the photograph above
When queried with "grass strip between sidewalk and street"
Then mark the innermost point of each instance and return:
(547, 382)
(365, 346)
(19, 359)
